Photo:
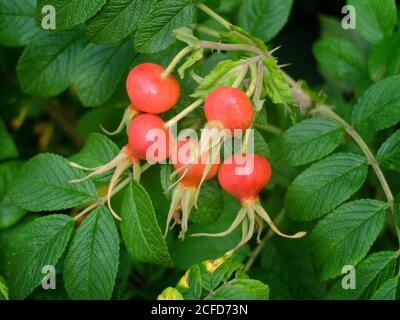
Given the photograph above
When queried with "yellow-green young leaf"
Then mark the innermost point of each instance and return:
(370, 273)
(345, 235)
(224, 74)
(47, 65)
(384, 60)
(8, 149)
(117, 20)
(91, 264)
(155, 31)
(389, 152)
(379, 106)
(170, 294)
(264, 18)
(310, 140)
(43, 184)
(191, 284)
(340, 59)
(390, 290)
(325, 185)
(69, 13)
(3, 289)
(17, 23)
(376, 19)
(10, 214)
(140, 230)
(100, 70)
(38, 244)
(242, 289)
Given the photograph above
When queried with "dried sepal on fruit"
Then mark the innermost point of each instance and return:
(193, 168)
(243, 176)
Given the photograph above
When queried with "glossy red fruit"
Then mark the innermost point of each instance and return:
(183, 153)
(148, 139)
(229, 108)
(244, 176)
(149, 91)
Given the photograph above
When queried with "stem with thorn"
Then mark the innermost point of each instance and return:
(231, 47)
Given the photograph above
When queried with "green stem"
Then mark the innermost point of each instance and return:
(231, 47)
(269, 128)
(326, 111)
(206, 30)
(184, 113)
(242, 75)
(214, 15)
(175, 61)
(256, 252)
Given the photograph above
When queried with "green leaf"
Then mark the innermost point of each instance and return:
(242, 289)
(196, 56)
(384, 60)
(275, 85)
(370, 273)
(97, 151)
(170, 294)
(70, 13)
(47, 65)
(191, 285)
(325, 185)
(37, 244)
(390, 290)
(17, 22)
(379, 106)
(117, 20)
(389, 152)
(91, 264)
(340, 59)
(310, 140)
(376, 19)
(140, 231)
(210, 204)
(155, 32)
(345, 235)
(185, 34)
(264, 18)
(260, 145)
(8, 149)
(43, 185)
(224, 74)
(3, 289)
(9, 213)
(100, 70)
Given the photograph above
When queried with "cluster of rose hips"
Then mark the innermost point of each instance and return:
(151, 92)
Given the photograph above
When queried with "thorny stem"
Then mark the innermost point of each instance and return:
(214, 15)
(183, 113)
(103, 200)
(325, 110)
(231, 47)
(256, 252)
(175, 61)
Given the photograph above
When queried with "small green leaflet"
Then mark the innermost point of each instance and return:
(310, 140)
(384, 60)
(224, 74)
(389, 152)
(170, 294)
(47, 65)
(390, 290)
(43, 185)
(117, 20)
(140, 231)
(100, 70)
(370, 273)
(8, 149)
(376, 19)
(345, 235)
(242, 289)
(325, 185)
(379, 106)
(196, 56)
(155, 31)
(91, 264)
(191, 287)
(69, 13)
(340, 59)
(37, 244)
(264, 18)
(17, 23)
